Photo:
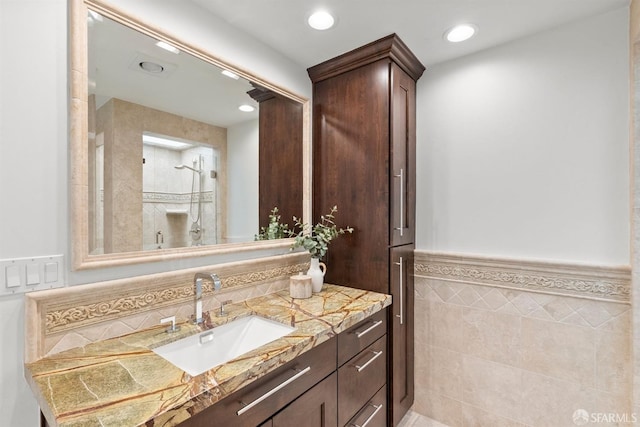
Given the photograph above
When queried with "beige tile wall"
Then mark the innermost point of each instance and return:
(492, 355)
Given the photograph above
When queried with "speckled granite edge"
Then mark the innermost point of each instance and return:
(122, 382)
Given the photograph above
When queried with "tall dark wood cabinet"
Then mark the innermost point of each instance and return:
(364, 120)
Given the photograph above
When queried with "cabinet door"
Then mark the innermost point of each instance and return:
(318, 407)
(351, 170)
(401, 367)
(403, 157)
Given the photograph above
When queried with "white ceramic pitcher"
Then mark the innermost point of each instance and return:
(316, 271)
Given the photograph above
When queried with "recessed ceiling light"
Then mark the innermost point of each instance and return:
(151, 67)
(246, 108)
(321, 20)
(460, 33)
(230, 74)
(167, 46)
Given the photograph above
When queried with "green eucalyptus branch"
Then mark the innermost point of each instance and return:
(316, 239)
(275, 230)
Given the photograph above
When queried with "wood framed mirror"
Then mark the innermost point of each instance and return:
(158, 170)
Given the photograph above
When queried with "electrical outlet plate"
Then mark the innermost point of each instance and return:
(20, 275)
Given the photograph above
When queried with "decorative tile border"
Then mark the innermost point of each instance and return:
(608, 283)
(66, 318)
(70, 309)
(158, 197)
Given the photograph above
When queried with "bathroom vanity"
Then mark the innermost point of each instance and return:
(330, 370)
(340, 382)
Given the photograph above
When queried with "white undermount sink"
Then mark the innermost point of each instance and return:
(199, 353)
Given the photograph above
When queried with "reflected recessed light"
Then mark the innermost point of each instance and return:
(94, 17)
(167, 46)
(151, 67)
(246, 108)
(230, 74)
(165, 142)
(321, 20)
(460, 33)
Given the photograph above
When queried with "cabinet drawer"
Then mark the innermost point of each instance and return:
(360, 378)
(259, 400)
(374, 412)
(318, 407)
(358, 337)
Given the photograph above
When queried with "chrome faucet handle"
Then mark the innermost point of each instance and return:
(223, 313)
(198, 279)
(173, 327)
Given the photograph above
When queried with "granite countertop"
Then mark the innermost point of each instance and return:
(122, 382)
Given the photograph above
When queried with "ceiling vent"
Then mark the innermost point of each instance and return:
(150, 65)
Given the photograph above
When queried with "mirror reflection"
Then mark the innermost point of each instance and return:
(180, 152)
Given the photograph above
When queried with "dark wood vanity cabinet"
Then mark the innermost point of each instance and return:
(341, 382)
(362, 372)
(364, 142)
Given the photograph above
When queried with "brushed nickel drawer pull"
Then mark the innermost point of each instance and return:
(368, 420)
(272, 391)
(401, 228)
(360, 334)
(401, 315)
(376, 354)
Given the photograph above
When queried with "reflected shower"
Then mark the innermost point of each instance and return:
(195, 205)
(188, 167)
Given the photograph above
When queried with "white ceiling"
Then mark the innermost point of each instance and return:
(281, 24)
(115, 51)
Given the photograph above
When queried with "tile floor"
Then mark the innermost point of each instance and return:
(413, 419)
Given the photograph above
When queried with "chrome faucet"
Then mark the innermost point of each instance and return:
(197, 281)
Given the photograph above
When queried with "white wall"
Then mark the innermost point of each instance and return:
(33, 169)
(34, 149)
(242, 197)
(523, 149)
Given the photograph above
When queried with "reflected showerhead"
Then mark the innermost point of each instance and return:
(187, 167)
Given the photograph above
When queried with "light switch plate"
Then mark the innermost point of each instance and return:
(50, 272)
(33, 273)
(20, 275)
(13, 279)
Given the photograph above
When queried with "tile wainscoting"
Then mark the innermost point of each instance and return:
(66, 318)
(503, 342)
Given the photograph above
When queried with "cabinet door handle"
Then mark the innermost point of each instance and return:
(272, 391)
(368, 420)
(401, 315)
(401, 176)
(360, 334)
(376, 354)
